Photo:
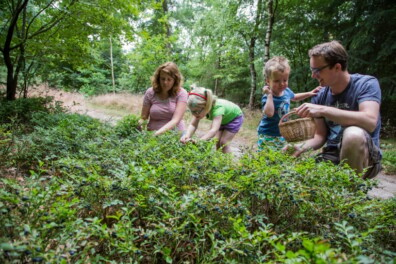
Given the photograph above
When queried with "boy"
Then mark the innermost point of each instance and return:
(276, 102)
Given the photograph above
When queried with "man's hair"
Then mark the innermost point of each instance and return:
(333, 52)
(275, 64)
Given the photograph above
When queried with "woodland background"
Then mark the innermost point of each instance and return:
(114, 45)
(74, 189)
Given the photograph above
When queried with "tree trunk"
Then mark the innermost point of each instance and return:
(165, 8)
(112, 65)
(271, 19)
(12, 78)
(217, 80)
(253, 74)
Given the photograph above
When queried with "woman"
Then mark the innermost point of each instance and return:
(165, 102)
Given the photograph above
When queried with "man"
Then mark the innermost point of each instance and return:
(346, 112)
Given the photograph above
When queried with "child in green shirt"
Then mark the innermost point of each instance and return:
(227, 117)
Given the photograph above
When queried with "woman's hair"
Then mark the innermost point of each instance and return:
(275, 64)
(171, 69)
(333, 52)
(201, 97)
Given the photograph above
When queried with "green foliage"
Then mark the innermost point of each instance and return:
(21, 110)
(388, 116)
(127, 126)
(389, 156)
(109, 195)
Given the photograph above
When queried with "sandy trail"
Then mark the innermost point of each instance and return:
(77, 103)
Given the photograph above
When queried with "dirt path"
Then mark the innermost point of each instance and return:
(78, 104)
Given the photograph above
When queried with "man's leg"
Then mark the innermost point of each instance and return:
(361, 152)
(354, 148)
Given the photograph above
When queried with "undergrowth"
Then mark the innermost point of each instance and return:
(82, 191)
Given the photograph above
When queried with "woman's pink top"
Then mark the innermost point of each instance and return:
(161, 111)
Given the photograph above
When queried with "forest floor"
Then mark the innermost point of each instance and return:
(106, 108)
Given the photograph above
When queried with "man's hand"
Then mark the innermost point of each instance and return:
(294, 150)
(310, 110)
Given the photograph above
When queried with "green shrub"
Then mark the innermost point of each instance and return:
(94, 195)
(389, 156)
(388, 116)
(127, 125)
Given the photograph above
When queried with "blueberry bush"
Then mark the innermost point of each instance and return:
(75, 190)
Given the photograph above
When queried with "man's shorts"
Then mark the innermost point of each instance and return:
(273, 142)
(333, 154)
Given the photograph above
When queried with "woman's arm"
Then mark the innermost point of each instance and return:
(176, 118)
(214, 128)
(144, 115)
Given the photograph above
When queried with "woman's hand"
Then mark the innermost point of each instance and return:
(142, 123)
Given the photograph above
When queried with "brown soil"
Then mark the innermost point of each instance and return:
(77, 103)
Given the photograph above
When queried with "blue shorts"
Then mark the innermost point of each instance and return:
(273, 142)
(234, 125)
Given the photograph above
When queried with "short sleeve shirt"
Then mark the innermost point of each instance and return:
(225, 108)
(361, 88)
(161, 111)
(269, 126)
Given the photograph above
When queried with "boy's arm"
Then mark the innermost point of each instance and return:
(302, 96)
(269, 108)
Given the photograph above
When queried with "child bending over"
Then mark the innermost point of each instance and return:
(227, 117)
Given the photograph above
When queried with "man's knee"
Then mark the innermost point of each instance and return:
(354, 137)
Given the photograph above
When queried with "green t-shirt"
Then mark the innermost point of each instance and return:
(227, 109)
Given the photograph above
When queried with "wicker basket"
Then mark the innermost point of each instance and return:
(296, 130)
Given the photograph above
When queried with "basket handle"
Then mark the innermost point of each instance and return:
(286, 115)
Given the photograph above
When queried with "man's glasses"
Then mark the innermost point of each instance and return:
(318, 70)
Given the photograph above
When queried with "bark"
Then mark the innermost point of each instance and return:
(14, 68)
(165, 8)
(112, 65)
(270, 24)
(12, 76)
(253, 73)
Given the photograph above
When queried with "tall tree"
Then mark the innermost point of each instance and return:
(271, 10)
(29, 23)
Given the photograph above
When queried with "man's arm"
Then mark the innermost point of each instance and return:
(366, 117)
(314, 143)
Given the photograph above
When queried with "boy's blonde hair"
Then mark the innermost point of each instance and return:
(201, 97)
(277, 63)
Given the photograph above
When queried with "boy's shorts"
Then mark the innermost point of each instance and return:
(234, 125)
(273, 142)
(333, 154)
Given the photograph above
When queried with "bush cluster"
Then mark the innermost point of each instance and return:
(87, 192)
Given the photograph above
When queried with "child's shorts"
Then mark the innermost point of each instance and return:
(234, 125)
(273, 142)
